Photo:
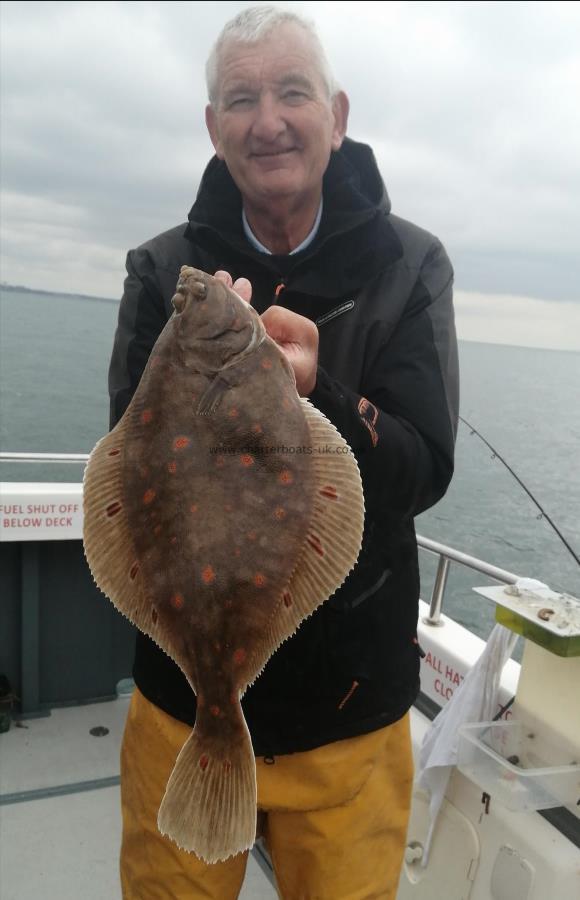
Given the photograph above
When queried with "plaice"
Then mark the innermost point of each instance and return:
(219, 513)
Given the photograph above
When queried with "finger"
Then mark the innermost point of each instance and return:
(243, 289)
(284, 325)
(221, 275)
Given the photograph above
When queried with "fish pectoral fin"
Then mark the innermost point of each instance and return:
(213, 396)
(209, 806)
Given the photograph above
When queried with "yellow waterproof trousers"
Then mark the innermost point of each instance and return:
(335, 817)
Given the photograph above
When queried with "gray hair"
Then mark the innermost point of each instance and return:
(252, 25)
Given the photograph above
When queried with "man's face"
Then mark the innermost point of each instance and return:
(273, 123)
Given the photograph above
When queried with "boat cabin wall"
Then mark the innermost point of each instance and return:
(61, 640)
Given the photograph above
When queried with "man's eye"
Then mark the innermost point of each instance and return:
(239, 102)
(295, 96)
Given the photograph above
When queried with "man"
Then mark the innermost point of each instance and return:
(298, 218)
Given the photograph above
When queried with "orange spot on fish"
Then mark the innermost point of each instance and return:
(227, 766)
(251, 535)
(143, 471)
(220, 462)
(177, 601)
(266, 364)
(247, 460)
(133, 571)
(173, 539)
(287, 598)
(215, 711)
(146, 416)
(181, 442)
(149, 496)
(193, 508)
(203, 762)
(113, 508)
(237, 552)
(329, 491)
(172, 467)
(257, 429)
(217, 647)
(233, 413)
(286, 476)
(279, 513)
(208, 575)
(157, 529)
(240, 656)
(113, 452)
(259, 579)
(228, 507)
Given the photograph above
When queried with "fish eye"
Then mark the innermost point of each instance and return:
(178, 301)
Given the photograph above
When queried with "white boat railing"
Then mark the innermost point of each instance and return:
(446, 554)
(8, 457)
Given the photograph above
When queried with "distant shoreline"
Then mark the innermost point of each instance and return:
(20, 289)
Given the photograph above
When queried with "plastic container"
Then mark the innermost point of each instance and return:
(516, 767)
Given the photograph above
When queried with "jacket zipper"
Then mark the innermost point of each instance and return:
(347, 697)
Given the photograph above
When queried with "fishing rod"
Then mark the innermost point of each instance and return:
(543, 513)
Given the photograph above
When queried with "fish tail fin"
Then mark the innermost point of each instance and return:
(209, 806)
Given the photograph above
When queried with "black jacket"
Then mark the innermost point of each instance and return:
(379, 289)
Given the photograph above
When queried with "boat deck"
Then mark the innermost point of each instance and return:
(60, 822)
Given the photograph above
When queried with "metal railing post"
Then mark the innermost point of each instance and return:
(439, 585)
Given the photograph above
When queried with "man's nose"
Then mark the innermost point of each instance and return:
(269, 122)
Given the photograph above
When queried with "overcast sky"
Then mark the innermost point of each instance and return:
(472, 110)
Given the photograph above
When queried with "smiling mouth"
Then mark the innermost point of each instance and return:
(273, 153)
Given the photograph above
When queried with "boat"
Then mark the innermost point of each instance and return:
(509, 823)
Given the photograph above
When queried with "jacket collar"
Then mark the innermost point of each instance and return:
(355, 241)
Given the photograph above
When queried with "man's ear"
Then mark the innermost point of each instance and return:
(212, 127)
(340, 110)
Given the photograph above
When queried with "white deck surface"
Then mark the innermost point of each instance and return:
(66, 847)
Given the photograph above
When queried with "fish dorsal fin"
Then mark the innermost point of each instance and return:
(108, 544)
(334, 537)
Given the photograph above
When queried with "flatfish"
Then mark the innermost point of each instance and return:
(219, 513)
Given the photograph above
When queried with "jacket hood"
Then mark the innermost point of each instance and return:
(355, 240)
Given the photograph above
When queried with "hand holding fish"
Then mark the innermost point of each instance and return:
(297, 338)
(295, 335)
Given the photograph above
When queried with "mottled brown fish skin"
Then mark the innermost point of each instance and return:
(214, 523)
(218, 519)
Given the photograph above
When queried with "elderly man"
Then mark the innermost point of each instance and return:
(297, 217)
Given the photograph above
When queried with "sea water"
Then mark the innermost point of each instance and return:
(54, 356)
